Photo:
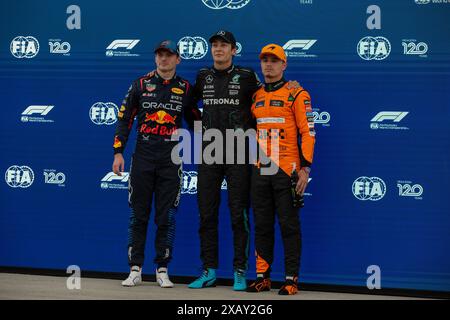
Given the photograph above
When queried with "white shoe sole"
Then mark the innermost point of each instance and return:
(133, 283)
(163, 284)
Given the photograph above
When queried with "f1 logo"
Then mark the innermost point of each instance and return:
(42, 110)
(111, 176)
(128, 44)
(395, 116)
(299, 44)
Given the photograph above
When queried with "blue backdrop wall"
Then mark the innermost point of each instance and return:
(379, 78)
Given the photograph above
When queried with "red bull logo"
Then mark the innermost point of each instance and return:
(160, 117)
(157, 130)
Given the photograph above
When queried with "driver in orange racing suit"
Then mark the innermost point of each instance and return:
(281, 115)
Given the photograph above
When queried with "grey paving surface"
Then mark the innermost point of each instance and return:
(19, 286)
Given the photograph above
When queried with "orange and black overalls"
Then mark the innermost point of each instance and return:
(282, 115)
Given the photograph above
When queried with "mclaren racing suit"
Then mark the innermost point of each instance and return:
(158, 106)
(281, 115)
(226, 96)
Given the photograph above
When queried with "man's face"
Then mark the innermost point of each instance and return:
(272, 67)
(166, 61)
(222, 52)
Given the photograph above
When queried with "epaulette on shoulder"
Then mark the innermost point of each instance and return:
(145, 77)
(204, 70)
(248, 70)
(296, 91)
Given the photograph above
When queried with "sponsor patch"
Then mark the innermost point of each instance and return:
(276, 103)
(235, 79)
(117, 143)
(270, 120)
(259, 104)
(160, 117)
(178, 98)
(177, 91)
(150, 87)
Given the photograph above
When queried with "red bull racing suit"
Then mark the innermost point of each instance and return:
(158, 106)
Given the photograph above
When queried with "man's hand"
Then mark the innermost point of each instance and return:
(118, 164)
(293, 84)
(303, 177)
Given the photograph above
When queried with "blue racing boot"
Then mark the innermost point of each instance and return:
(207, 279)
(240, 283)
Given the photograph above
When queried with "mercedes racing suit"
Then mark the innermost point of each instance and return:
(282, 115)
(226, 96)
(158, 106)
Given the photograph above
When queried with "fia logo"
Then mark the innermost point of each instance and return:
(365, 188)
(192, 47)
(104, 113)
(19, 176)
(24, 47)
(222, 4)
(374, 48)
(189, 182)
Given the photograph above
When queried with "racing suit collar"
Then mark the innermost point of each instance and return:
(224, 71)
(273, 86)
(164, 81)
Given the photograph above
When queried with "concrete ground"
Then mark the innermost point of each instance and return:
(20, 286)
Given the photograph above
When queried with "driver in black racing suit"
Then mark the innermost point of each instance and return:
(226, 91)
